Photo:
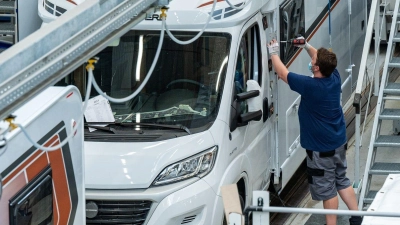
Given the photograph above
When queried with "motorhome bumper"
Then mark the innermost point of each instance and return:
(190, 201)
(190, 205)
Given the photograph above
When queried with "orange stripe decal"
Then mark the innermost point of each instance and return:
(21, 167)
(27, 161)
(55, 209)
(8, 192)
(209, 3)
(60, 185)
(71, 1)
(27, 169)
(38, 165)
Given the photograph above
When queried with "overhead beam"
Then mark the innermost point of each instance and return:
(49, 54)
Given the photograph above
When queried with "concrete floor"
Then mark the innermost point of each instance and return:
(387, 127)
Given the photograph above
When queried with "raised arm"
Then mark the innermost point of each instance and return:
(310, 50)
(280, 68)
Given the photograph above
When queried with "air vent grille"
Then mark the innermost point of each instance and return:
(120, 212)
(188, 219)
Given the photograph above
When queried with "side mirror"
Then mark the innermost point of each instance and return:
(247, 95)
(250, 116)
(254, 104)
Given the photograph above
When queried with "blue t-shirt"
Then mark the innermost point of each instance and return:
(322, 126)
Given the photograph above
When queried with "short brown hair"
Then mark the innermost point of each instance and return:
(327, 62)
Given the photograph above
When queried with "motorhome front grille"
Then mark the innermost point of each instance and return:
(118, 212)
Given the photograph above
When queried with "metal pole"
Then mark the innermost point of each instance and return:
(328, 211)
(263, 198)
(377, 43)
(357, 154)
(350, 50)
(260, 199)
(360, 81)
(367, 42)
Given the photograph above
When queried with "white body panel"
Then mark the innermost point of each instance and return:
(44, 121)
(138, 167)
(249, 153)
(386, 200)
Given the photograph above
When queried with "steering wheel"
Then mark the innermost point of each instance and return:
(186, 81)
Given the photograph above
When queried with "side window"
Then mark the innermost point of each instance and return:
(248, 62)
(34, 203)
(292, 25)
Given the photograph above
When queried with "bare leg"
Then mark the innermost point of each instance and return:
(332, 203)
(349, 197)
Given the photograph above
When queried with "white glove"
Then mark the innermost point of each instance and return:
(273, 47)
(306, 46)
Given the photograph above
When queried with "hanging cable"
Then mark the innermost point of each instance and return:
(91, 80)
(195, 37)
(238, 7)
(329, 19)
(89, 68)
(3, 141)
(121, 100)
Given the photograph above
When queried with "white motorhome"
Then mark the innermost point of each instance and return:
(212, 113)
(43, 187)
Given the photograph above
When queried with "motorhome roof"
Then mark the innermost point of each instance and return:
(183, 14)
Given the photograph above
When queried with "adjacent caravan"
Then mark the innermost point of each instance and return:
(43, 187)
(213, 111)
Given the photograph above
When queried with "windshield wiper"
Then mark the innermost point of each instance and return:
(179, 127)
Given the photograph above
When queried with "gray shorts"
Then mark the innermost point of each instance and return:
(327, 173)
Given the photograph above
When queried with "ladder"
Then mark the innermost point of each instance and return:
(380, 140)
(8, 28)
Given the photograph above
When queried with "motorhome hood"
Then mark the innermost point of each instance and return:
(128, 165)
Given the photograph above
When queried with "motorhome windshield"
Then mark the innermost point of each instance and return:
(185, 87)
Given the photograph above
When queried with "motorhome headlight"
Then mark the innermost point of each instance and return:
(198, 165)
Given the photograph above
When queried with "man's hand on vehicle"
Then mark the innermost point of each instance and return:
(273, 47)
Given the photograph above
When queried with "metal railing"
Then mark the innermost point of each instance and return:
(261, 211)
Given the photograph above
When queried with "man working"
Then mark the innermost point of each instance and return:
(322, 128)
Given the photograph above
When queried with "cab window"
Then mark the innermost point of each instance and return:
(248, 62)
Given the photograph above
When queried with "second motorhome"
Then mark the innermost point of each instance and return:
(212, 113)
(38, 186)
